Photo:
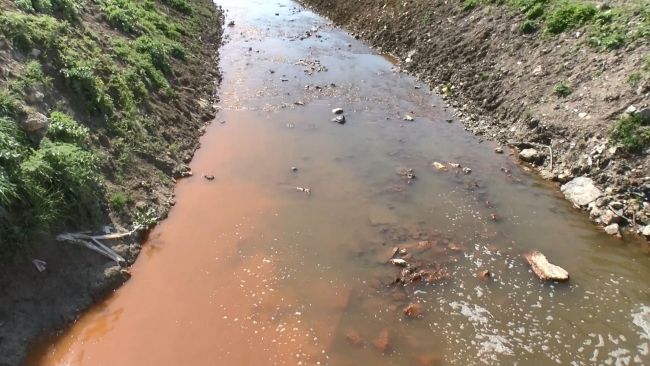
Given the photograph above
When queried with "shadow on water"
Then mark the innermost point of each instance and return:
(249, 270)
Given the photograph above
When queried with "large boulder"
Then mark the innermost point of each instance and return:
(545, 270)
(581, 191)
(34, 122)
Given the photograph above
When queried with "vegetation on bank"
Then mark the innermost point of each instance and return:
(93, 79)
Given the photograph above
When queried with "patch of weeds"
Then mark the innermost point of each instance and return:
(173, 147)
(65, 129)
(634, 78)
(181, 6)
(27, 31)
(31, 76)
(631, 132)
(568, 15)
(9, 104)
(81, 77)
(427, 15)
(469, 4)
(145, 216)
(528, 26)
(119, 201)
(562, 89)
(483, 76)
(24, 5)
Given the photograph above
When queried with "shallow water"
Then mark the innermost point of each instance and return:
(247, 270)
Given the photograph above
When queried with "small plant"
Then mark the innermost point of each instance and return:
(427, 15)
(634, 78)
(562, 89)
(65, 129)
(631, 132)
(173, 147)
(469, 4)
(568, 15)
(483, 76)
(528, 26)
(119, 201)
(9, 105)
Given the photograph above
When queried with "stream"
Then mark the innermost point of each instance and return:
(249, 270)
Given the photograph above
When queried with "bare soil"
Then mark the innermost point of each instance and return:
(500, 83)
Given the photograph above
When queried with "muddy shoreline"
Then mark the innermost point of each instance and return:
(36, 306)
(500, 83)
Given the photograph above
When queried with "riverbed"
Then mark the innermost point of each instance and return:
(250, 270)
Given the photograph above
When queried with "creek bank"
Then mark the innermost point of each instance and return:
(502, 85)
(138, 180)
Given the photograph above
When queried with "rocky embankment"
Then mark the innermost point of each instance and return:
(553, 81)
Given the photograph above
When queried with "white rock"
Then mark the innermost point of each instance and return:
(528, 155)
(34, 122)
(545, 270)
(582, 114)
(631, 109)
(581, 191)
(398, 262)
(337, 110)
(408, 118)
(612, 229)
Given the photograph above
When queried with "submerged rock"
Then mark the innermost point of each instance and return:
(412, 310)
(581, 191)
(545, 270)
(382, 342)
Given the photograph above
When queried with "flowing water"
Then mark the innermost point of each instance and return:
(248, 270)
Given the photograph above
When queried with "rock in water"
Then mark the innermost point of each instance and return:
(528, 155)
(613, 229)
(498, 150)
(581, 191)
(545, 270)
(337, 110)
(408, 118)
(339, 119)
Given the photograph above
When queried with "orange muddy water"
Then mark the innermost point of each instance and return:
(249, 270)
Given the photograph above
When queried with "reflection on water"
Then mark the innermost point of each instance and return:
(248, 270)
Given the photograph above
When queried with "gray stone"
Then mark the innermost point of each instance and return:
(528, 155)
(35, 52)
(466, 170)
(616, 205)
(613, 229)
(337, 110)
(38, 96)
(35, 121)
(581, 191)
(645, 113)
(631, 109)
(545, 270)
(498, 150)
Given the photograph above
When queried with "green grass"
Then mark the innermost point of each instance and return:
(427, 15)
(528, 26)
(562, 89)
(568, 15)
(119, 201)
(56, 183)
(634, 78)
(469, 4)
(631, 132)
(483, 76)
